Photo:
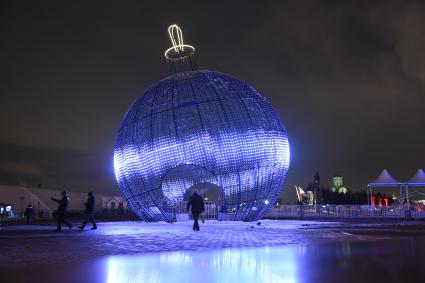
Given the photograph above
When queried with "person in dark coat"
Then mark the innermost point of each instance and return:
(198, 206)
(63, 206)
(28, 213)
(88, 212)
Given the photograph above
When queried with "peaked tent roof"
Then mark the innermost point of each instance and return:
(385, 180)
(418, 179)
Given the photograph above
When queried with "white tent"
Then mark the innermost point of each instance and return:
(418, 180)
(386, 180)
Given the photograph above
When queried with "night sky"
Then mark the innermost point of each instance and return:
(347, 78)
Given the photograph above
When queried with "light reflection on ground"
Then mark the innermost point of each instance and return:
(276, 264)
(275, 251)
(399, 260)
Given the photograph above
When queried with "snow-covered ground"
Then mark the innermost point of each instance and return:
(28, 244)
(275, 251)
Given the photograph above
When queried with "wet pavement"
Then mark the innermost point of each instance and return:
(275, 251)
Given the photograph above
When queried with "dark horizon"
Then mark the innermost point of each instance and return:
(348, 80)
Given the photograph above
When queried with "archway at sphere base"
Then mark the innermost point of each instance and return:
(213, 198)
(178, 185)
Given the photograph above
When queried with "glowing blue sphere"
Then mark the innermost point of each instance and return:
(204, 129)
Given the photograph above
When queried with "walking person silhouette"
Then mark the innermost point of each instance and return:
(28, 213)
(88, 212)
(198, 206)
(63, 206)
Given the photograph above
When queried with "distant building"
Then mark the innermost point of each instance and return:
(18, 197)
(338, 185)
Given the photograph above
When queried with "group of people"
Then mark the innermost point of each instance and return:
(62, 209)
(195, 204)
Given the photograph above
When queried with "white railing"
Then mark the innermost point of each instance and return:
(345, 211)
(209, 213)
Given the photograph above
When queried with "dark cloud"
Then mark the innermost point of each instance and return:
(56, 168)
(20, 168)
(347, 77)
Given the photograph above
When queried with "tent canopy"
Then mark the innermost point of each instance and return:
(418, 180)
(385, 180)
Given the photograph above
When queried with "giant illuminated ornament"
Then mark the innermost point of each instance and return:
(203, 129)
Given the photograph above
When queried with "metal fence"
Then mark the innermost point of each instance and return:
(209, 213)
(346, 212)
(103, 214)
(277, 212)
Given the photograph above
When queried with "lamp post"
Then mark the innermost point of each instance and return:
(21, 201)
(316, 186)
